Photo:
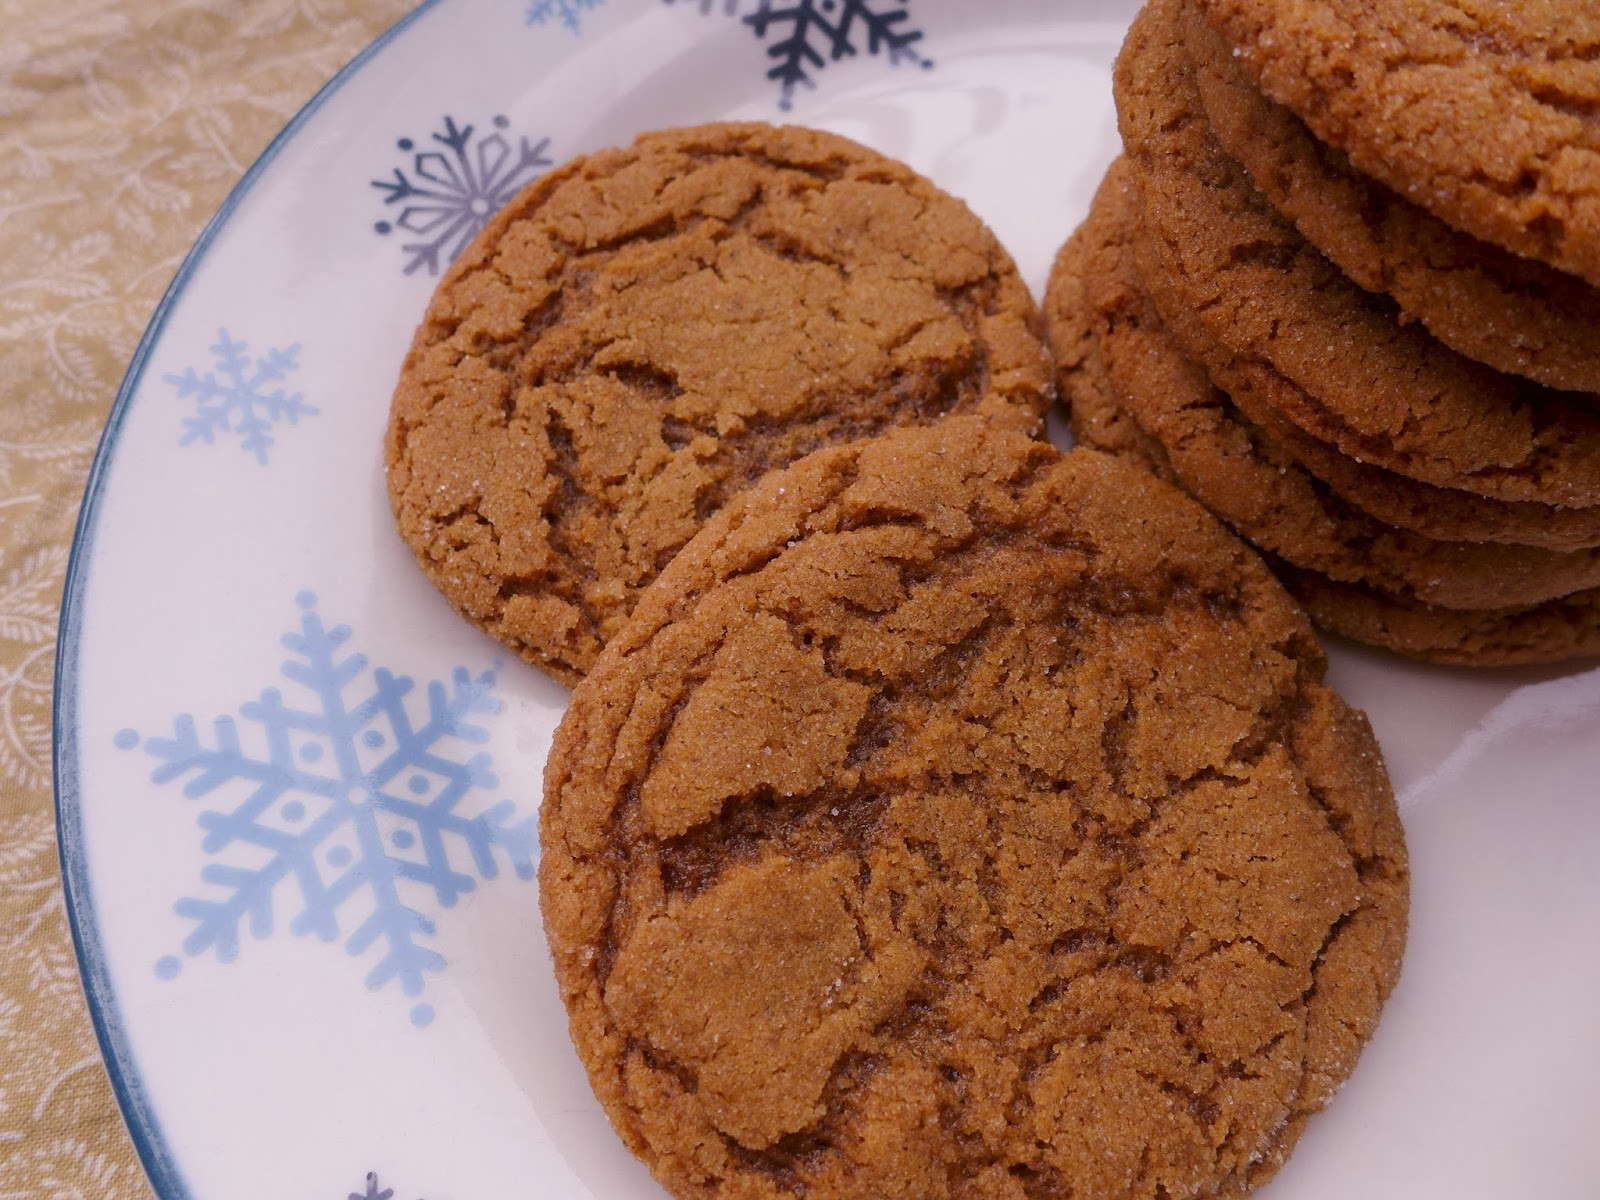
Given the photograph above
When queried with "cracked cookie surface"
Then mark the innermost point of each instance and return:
(644, 332)
(1380, 391)
(1486, 113)
(1212, 451)
(956, 818)
(1513, 313)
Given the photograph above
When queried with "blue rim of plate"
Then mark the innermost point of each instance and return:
(143, 1126)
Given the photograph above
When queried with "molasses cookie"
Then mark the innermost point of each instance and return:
(644, 332)
(1555, 631)
(1379, 391)
(1512, 313)
(1482, 113)
(958, 818)
(1266, 496)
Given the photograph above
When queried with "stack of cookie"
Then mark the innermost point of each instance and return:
(1342, 290)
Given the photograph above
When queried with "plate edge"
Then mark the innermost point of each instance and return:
(144, 1130)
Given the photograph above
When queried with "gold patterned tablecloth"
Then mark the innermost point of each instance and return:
(123, 124)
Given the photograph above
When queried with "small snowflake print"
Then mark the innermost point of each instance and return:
(349, 810)
(812, 33)
(373, 1192)
(237, 397)
(447, 194)
(807, 35)
(568, 12)
(728, 6)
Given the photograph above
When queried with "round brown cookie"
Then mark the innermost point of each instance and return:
(1445, 514)
(1481, 111)
(1512, 313)
(645, 331)
(1383, 392)
(1266, 496)
(958, 818)
(1555, 631)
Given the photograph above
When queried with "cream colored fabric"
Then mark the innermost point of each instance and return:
(123, 123)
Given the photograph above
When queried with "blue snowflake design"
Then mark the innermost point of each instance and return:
(372, 1192)
(449, 193)
(810, 34)
(817, 32)
(237, 397)
(347, 809)
(568, 12)
(728, 6)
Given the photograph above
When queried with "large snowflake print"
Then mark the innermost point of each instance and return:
(237, 396)
(448, 194)
(357, 812)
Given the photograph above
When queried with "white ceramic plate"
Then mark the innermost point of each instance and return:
(296, 793)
